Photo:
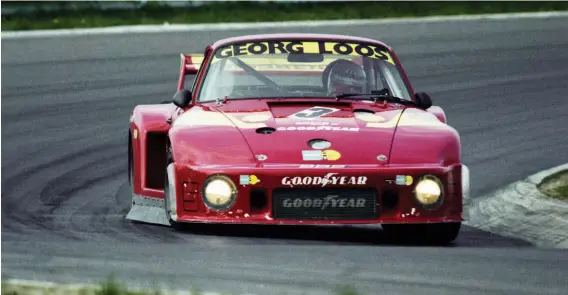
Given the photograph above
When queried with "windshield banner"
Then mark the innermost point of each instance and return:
(300, 47)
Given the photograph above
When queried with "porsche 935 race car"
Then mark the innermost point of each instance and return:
(297, 129)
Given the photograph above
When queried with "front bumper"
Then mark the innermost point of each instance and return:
(255, 203)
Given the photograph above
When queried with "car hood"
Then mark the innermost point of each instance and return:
(280, 132)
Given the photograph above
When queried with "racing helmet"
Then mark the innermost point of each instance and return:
(344, 76)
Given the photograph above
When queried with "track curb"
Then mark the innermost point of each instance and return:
(520, 210)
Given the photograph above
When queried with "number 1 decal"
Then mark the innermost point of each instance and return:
(314, 112)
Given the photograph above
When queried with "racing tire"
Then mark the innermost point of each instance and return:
(131, 175)
(130, 180)
(432, 233)
(174, 224)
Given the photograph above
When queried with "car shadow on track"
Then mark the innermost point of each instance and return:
(339, 235)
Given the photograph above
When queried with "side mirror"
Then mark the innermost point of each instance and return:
(423, 99)
(182, 98)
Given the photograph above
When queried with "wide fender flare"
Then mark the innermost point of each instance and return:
(152, 118)
(145, 119)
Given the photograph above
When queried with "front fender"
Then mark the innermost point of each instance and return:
(420, 138)
(211, 145)
(439, 113)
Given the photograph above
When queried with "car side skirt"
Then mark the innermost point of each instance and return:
(148, 210)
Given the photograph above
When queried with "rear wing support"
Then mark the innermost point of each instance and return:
(191, 63)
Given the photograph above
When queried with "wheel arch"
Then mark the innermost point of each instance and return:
(147, 141)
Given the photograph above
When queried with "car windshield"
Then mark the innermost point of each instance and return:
(300, 69)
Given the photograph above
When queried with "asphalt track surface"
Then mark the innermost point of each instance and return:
(65, 108)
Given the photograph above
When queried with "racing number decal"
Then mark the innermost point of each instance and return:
(314, 112)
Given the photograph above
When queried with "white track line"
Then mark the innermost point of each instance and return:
(265, 25)
(78, 287)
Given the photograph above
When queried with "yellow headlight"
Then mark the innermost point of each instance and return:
(219, 192)
(428, 191)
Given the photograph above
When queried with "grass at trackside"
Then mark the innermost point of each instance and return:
(256, 12)
(112, 287)
(555, 185)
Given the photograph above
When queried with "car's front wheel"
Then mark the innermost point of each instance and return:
(432, 233)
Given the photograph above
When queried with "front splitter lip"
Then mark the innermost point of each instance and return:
(270, 221)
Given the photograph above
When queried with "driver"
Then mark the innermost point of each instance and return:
(344, 76)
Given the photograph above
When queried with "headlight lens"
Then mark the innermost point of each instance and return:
(428, 190)
(219, 192)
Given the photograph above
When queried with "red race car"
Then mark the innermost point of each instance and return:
(297, 129)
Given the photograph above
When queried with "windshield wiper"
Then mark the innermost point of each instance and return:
(375, 96)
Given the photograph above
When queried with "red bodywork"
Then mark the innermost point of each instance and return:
(211, 139)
